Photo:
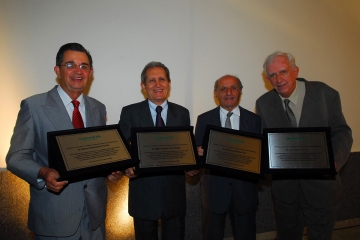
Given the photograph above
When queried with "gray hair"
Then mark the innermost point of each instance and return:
(152, 65)
(228, 75)
(269, 59)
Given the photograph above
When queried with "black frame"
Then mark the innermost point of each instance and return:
(56, 160)
(135, 154)
(299, 171)
(225, 169)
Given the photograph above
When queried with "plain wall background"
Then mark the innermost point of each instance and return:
(199, 41)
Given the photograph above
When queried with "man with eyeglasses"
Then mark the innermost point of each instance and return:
(295, 102)
(222, 192)
(60, 210)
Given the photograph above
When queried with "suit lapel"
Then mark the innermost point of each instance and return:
(145, 115)
(277, 111)
(309, 106)
(215, 118)
(56, 111)
(244, 120)
(90, 110)
(171, 116)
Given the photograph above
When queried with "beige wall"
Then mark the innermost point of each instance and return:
(199, 40)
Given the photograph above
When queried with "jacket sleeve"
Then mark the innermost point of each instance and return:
(21, 157)
(341, 136)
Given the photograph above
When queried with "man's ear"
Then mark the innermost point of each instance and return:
(57, 71)
(296, 71)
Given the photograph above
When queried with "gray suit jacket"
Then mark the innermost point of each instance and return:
(154, 194)
(217, 188)
(53, 214)
(321, 108)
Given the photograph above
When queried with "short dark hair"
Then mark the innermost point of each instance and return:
(228, 75)
(72, 47)
(152, 65)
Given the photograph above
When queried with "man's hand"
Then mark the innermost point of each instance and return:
(200, 151)
(49, 175)
(115, 176)
(193, 172)
(130, 172)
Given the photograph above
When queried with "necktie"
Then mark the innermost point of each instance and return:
(227, 121)
(159, 120)
(76, 117)
(289, 113)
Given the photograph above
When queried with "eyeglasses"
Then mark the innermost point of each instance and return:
(71, 65)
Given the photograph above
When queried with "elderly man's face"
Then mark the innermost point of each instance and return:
(73, 81)
(281, 76)
(157, 85)
(228, 93)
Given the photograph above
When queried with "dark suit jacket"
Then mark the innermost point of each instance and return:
(151, 195)
(54, 214)
(321, 108)
(217, 189)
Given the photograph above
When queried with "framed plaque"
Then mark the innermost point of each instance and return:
(304, 151)
(232, 151)
(79, 154)
(164, 148)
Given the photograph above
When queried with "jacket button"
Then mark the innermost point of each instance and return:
(85, 186)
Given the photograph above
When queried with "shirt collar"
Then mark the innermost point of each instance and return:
(294, 96)
(67, 100)
(153, 105)
(235, 111)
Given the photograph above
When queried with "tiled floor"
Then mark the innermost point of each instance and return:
(351, 233)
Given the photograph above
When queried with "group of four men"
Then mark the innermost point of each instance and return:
(62, 210)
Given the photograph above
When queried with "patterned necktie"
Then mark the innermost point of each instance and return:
(76, 117)
(227, 121)
(289, 113)
(159, 120)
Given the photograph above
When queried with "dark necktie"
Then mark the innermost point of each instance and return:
(227, 121)
(159, 120)
(76, 117)
(289, 113)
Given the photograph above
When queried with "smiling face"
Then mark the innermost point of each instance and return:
(157, 85)
(73, 81)
(281, 76)
(228, 93)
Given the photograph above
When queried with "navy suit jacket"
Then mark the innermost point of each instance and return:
(52, 214)
(217, 188)
(154, 194)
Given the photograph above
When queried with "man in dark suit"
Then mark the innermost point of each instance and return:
(222, 192)
(300, 200)
(157, 195)
(59, 210)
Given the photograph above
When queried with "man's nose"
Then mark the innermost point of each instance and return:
(277, 78)
(78, 69)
